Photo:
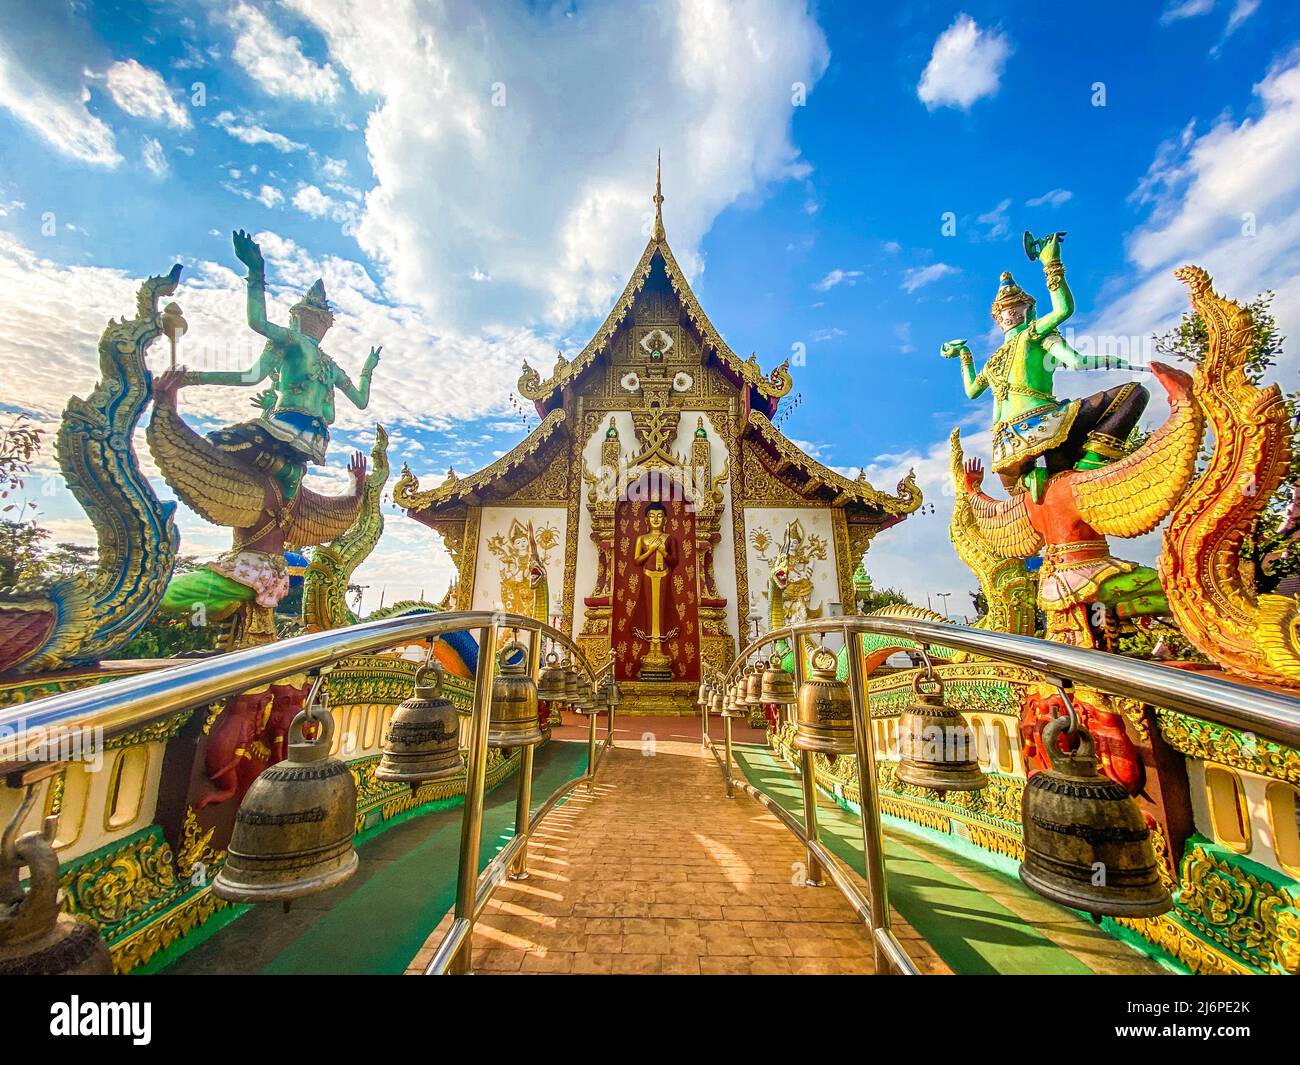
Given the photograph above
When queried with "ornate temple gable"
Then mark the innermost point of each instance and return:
(531, 462)
(781, 467)
(657, 261)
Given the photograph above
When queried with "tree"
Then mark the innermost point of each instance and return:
(1273, 547)
(870, 598)
(19, 443)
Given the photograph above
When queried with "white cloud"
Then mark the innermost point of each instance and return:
(1241, 11)
(59, 118)
(153, 156)
(1054, 198)
(997, 221)
(242, 129)
(1229, 200)
(276, 61)
(268, 195)
(141, 92)
(549, 194)
(919, 277)
(965, 66)
(838, 277)
(1177, 10)
(311, 201)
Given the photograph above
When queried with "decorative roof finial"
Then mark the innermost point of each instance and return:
(659, 198)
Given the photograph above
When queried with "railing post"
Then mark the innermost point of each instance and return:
(524, 786)
(873, 836)
(797, 644)
(726, 731)
(591, 750)
(471, 829)
(612, 711)
(807, 773)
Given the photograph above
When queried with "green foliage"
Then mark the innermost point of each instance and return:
(1140, 642)
(869, 598)
(19, 442)
(1273, 547)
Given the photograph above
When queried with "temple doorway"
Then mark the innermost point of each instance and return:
(656, 600)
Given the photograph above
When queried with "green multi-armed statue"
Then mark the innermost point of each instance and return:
(1035, 435)
(249, 476)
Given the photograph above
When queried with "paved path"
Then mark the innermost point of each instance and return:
(658, 872)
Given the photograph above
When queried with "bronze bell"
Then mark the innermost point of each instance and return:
(572, 682)
(1087, 844)
(825, 719)
(611, 688)
(703, 696)
(514, 721)
(552, 686)
(717, 703)
(936, 745)
(777, 685)
(423, 738)
(35, 938)
(754, 687)
(293, 831)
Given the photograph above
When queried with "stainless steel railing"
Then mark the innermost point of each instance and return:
(123, 705)
(1253, 710)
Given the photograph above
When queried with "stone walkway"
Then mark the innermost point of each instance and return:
(658, 872)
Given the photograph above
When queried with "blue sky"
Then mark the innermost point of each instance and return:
(473, 182)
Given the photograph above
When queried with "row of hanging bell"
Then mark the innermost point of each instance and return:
(1087, 844)
(293, 831)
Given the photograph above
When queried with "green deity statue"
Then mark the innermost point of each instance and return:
(1035, 435)
(298, 408)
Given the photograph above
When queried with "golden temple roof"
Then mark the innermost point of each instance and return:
(772, 385)
(407, 493)
(841, 490)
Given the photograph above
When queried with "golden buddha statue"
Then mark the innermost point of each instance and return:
(655, 552)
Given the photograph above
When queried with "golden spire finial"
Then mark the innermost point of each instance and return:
(659, 198)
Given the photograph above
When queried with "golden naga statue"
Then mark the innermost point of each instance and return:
(1010, 590)
(1211, 590)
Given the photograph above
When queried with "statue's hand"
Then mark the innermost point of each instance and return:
(357, 468)
(372, 360)
(265, 400)
(1051, 252)
(953, 348)
(247, 251)
(167, 384)
(974, 475)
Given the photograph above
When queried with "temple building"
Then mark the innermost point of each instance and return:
(657, 512)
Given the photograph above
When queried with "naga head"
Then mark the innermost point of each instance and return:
(1013, 306)
(786, 555)
(311, 314)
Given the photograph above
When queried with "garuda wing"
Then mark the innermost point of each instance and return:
(1132, 495)
(1005, 525)
(318, 519)
(206, 478)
